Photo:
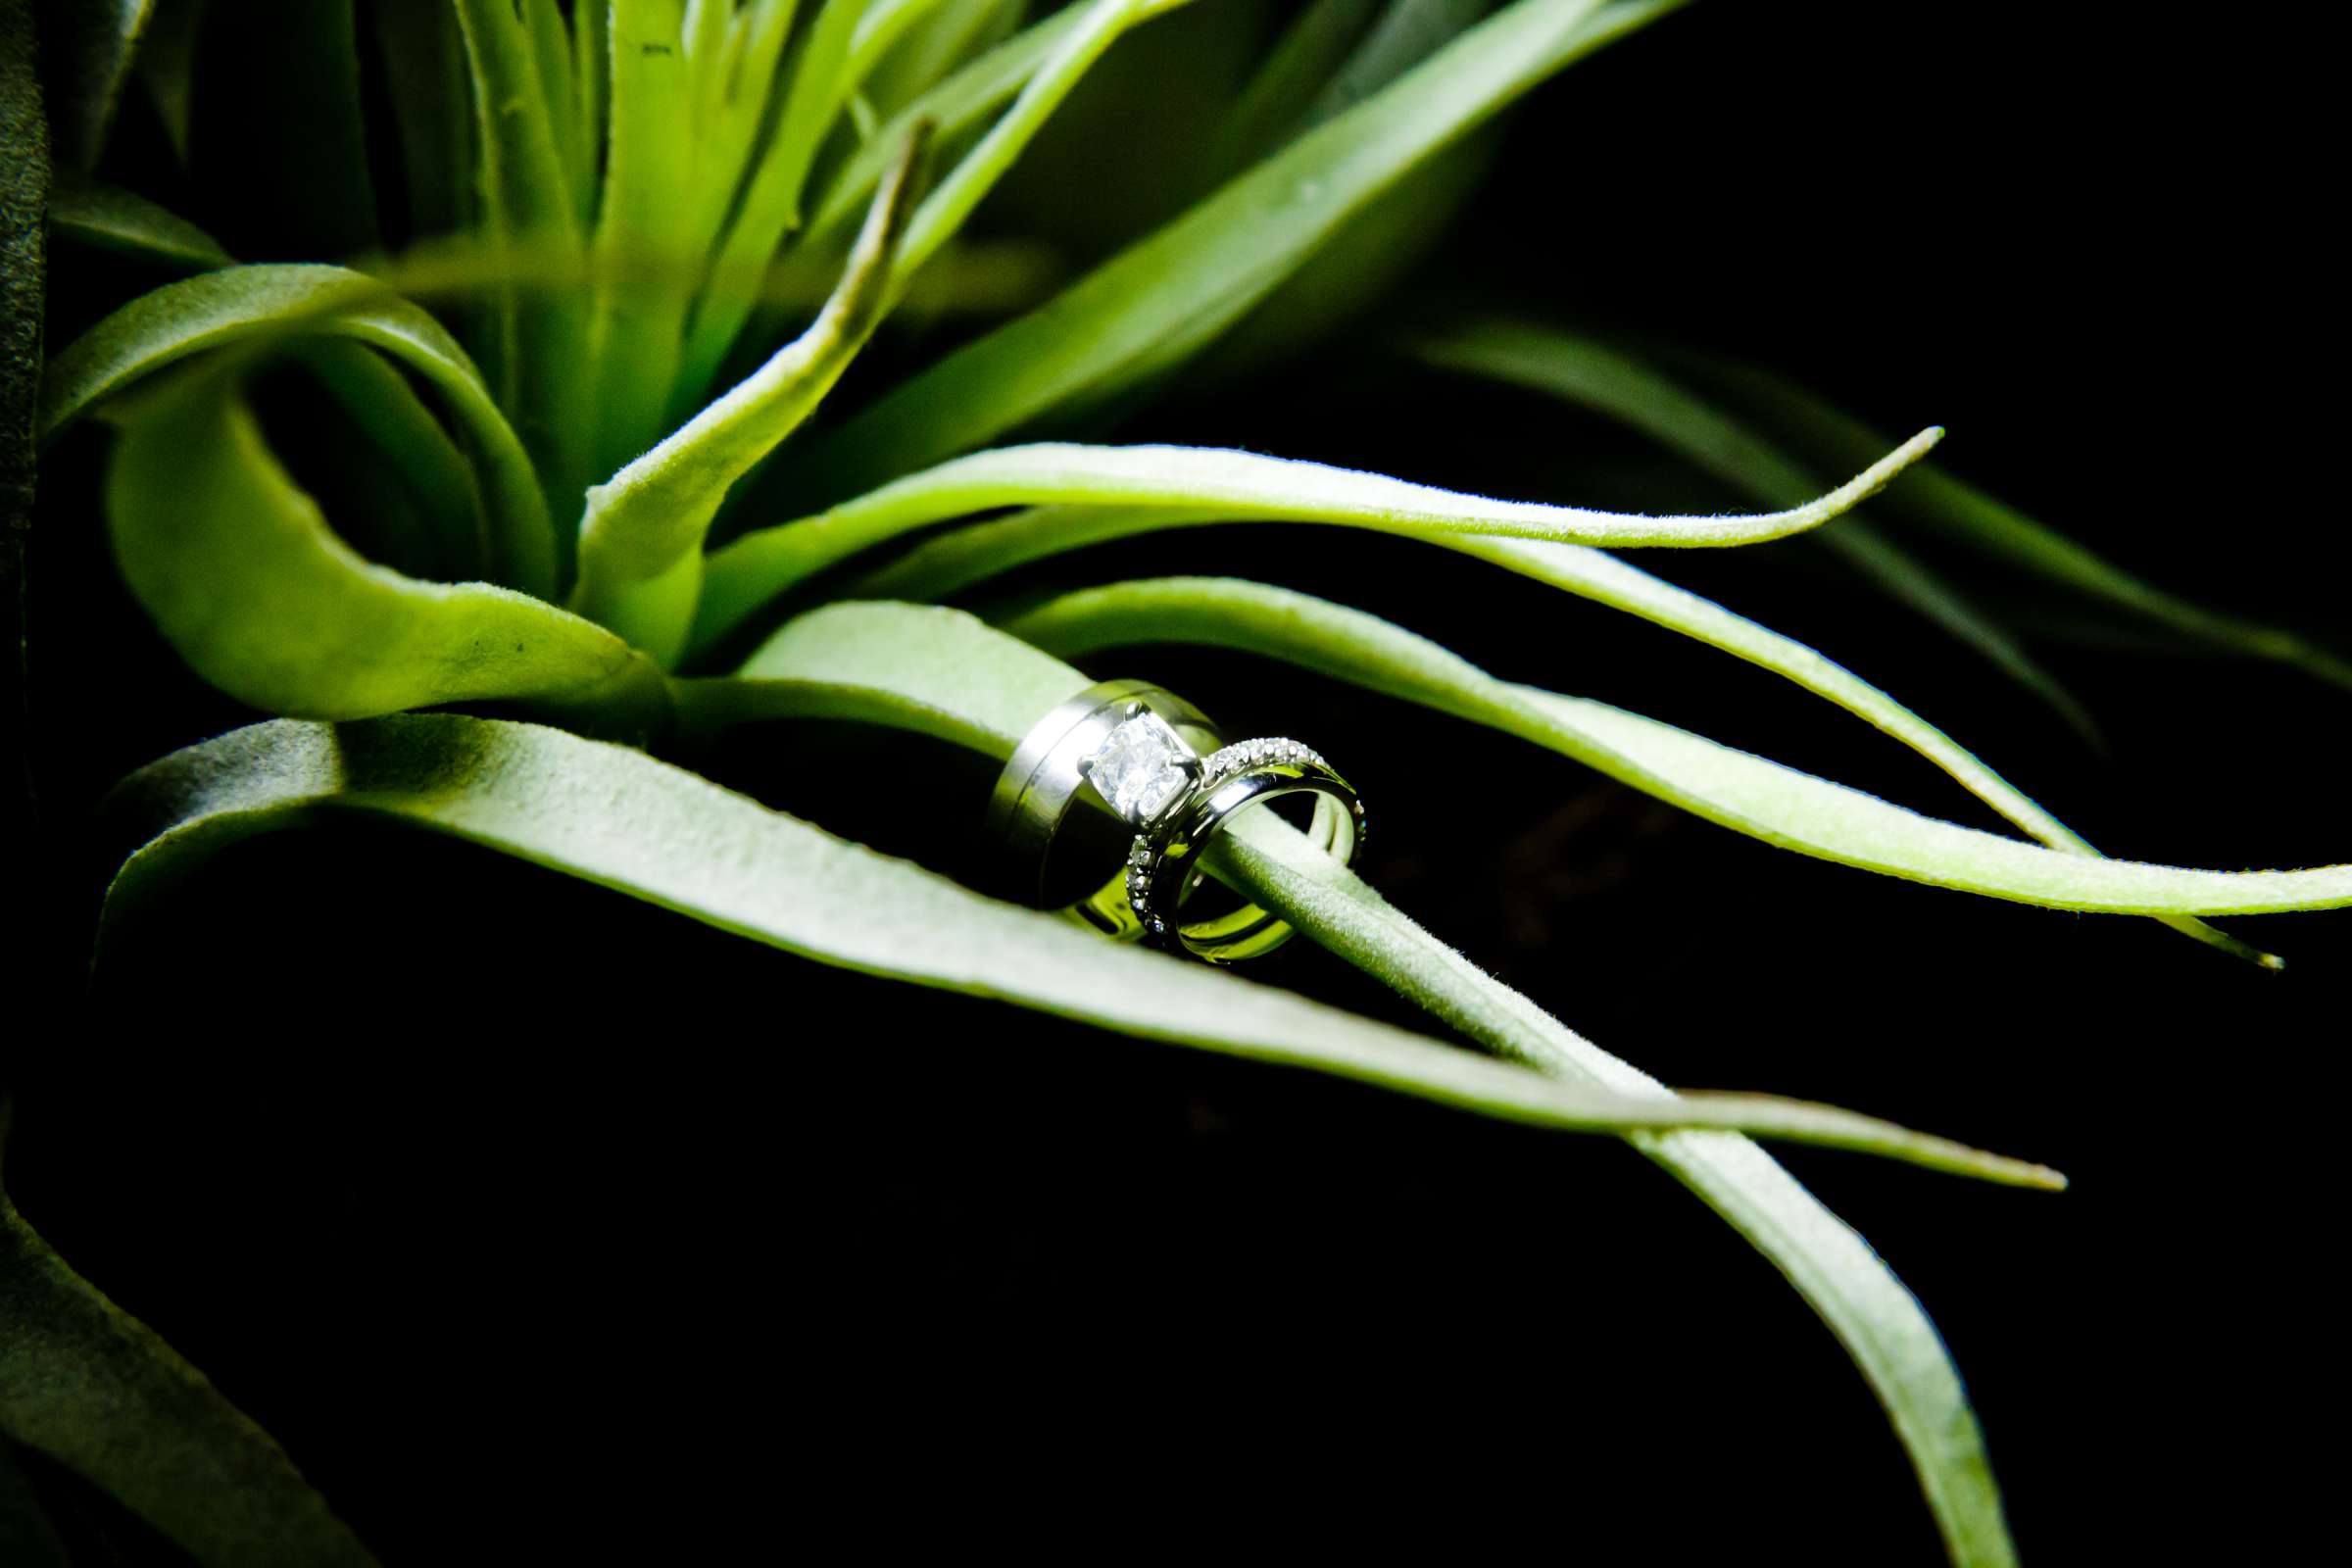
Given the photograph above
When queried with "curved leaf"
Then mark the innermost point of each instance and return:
(266, 603)
(958, 559)
(108, 218)
(1598, 377)
(244, 304)
(378, 401)
(95, 1388)
(617, 817)
(1241, 485)
(918, 659)
(641, 539)
(1747, 793)
(375, 396)
(1877, 1321)
(1163, 298)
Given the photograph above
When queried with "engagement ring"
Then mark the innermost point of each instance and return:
(1157, 762)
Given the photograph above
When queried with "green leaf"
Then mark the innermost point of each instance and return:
(525, 187)
(955, 106)
(243, 305)
(639, 253)
(882, 25)
(1591, 374)
(1383, 244)
(821, 85)
(617, 817)
(377, 399)
(591, 98)
(732, 98)
(1747, 793)
(683, 131)
(95, 1388)
(543, 361)
(945, 210)
(757, 567)
(1966, 516)
(1359, 267)
(109, 218)
(1909, 580)
(951, 36)
(642, 538)
(922, 660)
(770, 205)
(1274, 105)
(550, 39)
(1407, 32)
(1880, 1323)
(970, 555)
(1047, 77)
(1163, 298)
(266, 604)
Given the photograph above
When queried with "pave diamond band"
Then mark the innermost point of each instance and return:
(1158, 764)
(1165, 866)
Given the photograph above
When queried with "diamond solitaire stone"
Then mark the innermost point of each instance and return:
(1139, 767)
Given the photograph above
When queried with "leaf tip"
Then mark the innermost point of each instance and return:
(1861, 487)
(2008, 1171)
(2047, 1179)
(2235, 947)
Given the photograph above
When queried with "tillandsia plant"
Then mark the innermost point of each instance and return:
(582, 280)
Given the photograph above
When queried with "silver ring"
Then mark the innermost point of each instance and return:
(1155, 762)
(1164, 865)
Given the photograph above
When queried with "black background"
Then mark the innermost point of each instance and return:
(533, 1220)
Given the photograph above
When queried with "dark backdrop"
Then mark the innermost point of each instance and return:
(535, 1220)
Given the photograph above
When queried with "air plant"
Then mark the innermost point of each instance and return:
(589, 335)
